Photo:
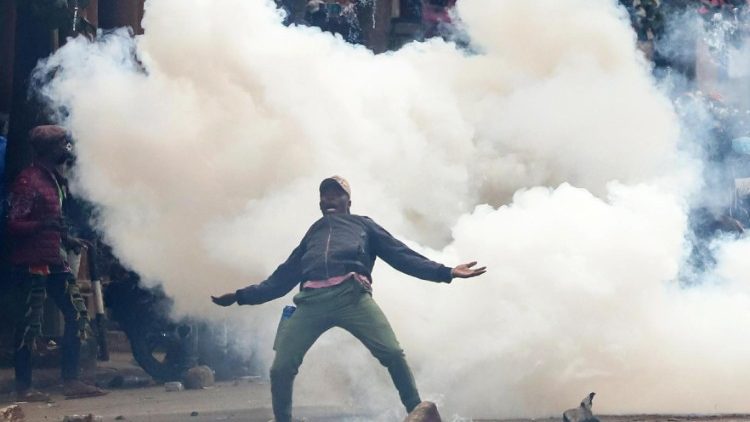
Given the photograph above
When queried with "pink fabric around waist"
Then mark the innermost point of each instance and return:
(335, 281)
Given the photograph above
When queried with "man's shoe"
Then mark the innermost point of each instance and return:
(32, 395)
(424, 412)
(75, 389)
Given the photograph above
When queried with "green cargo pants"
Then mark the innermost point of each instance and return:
(352, 308)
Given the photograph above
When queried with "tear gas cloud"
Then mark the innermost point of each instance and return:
(550, 156)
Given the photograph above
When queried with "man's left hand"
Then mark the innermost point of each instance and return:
(466, 270)
(225, 300)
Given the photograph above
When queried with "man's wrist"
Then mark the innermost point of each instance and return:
(447, 275)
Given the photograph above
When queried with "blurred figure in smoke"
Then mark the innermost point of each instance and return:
(437, 18)
(645, 17)
(336, 16)
(706, 226)
(38, 243)
(333, 265)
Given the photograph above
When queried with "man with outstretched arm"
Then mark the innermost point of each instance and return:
(333, 266)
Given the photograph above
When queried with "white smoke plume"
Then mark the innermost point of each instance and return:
(549, 156)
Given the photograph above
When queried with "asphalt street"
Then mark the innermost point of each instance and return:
(230, 401)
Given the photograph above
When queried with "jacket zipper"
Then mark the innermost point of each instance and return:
(328, 245)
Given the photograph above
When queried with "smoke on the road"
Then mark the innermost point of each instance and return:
(549, 155)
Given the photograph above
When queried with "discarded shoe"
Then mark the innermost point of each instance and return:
(32, 395)
(75, 389)
(583, 412)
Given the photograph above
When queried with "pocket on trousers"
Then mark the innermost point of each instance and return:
(286, 314)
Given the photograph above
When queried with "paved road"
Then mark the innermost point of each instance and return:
(243, 401)
(250, 402)
(247, 401)
(229, 401)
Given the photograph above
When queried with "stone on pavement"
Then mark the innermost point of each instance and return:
(199, 377)
(173, 386)
(424, 412)
(11, 413)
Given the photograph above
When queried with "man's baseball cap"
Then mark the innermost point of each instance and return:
(337, 181)
(44, 135)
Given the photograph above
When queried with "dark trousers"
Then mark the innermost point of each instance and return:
(30, 292)
(347, 306)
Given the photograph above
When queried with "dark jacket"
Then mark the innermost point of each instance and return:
(338, 244)
(34, 198)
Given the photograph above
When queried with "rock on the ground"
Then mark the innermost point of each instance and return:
(173, 386)
(199, 377)
(11, 413)
(424, 412)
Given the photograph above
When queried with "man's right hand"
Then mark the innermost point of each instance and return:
(225, 300)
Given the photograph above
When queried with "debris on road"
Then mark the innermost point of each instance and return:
(199, 377)
(83, 418)
(173, 386)
(424, 412)
(129, 381)
(583, 412)
(11, 413)
(194, 413)
(248, 379)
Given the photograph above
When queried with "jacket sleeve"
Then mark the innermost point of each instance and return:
(22, 196)
(279, 283)
(400, 257)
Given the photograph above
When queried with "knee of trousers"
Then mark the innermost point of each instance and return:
(283, 370)
(390, 357)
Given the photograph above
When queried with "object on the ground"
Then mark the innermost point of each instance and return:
(193, 413)
(12, 413)
(100, 332)
(199, 377)
(583, 412)
(83, 418)
(249, 379)
(173, 386)
(128, 381)
(424, 412)
(76, 389)
(32, 395)
(120, 418)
